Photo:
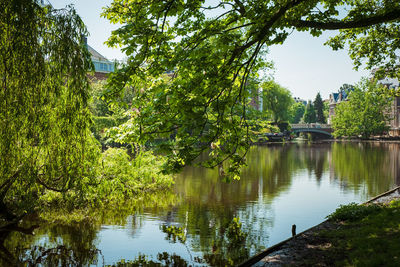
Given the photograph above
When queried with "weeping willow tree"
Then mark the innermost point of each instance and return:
(43, 103)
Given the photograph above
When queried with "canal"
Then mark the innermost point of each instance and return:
(208, 222)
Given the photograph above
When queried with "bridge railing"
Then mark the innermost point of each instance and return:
(310, 125)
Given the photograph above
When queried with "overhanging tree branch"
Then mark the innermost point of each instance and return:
(260, 35)
(338, 25)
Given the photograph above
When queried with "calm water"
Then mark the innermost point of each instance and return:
(208, 222)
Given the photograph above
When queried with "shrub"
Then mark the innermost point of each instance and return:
(100, 124)
(116, 178)
(122, 177)
(353, 212)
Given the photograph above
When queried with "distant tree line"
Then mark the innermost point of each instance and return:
(278, 106)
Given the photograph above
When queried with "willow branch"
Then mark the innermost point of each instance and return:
(49, 187)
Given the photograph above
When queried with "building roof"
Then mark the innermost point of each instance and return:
(96, 55)
(340, 96)
(335, 96)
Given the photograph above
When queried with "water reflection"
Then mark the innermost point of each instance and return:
(208, 222)
(49, 246)
(370, 166)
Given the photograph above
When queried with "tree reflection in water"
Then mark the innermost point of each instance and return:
(6, 257)
(64, 246)
(374, 164)
(164, 259)
(227, 244)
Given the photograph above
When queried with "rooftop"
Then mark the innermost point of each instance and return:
(96, 55)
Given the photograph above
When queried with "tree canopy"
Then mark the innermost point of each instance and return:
(297, 111)
(365, 113)
(276, 101)
(213, 48)
(43, 103)
(309, 114)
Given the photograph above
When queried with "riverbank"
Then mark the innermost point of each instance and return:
(354, 235)
(302, 141)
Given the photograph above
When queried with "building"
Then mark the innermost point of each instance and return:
(394, 111)
(102, 66)
(336, 98)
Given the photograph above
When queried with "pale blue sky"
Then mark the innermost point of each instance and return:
(302, 64)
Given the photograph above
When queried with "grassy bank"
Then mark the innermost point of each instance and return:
(362, 235)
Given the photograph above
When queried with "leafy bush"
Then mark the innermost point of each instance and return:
(104, 122)
(100, 124)
(115, 179)
(257, 129)
(394, 204)
(97, 105)
(122, 177)
(353, 212)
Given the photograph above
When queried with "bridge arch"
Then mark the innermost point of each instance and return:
(311, 130)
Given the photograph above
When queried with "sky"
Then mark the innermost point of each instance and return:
(302, 64)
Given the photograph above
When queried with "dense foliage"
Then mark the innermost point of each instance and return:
(366, 113)
(309, 114)
(276, 101)
(297, 111)
(44, 120)
(213, 48)
(116, 178)
(104, 114)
